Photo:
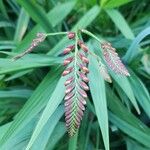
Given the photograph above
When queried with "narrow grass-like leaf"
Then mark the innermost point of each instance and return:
(57, 134)
(43, 137)
(15, 93)
(97, 88)
(126, 127)
(28, 62)
(126, 121)
(37, 13)
(51, 106)
(120, 22)
(115, 3)
(33, 106)
(123, 82)
(140, 92)
(61, 11)
(22, 24)
(134, 50)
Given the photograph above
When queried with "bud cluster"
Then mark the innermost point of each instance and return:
(113, 60)
(76, 85)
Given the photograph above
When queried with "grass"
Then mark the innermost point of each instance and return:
(32, 89)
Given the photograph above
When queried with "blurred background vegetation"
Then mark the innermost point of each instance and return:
(29, 85)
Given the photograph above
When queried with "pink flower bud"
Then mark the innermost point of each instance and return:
(84, 68)
(83, 77)
(83, 46)
(83, 58)
(83, 93)
(69, 80)
(71, 35)
(83, 85)
(68, 61)
(67, 71)
(69, 88)
(68, 49)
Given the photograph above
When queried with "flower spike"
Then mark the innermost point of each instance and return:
(113, 60)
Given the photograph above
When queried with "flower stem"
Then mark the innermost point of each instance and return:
(57, 33)
(92, 35)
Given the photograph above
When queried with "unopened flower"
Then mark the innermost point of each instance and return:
(83, 46)
(71, 35)
(40, 37)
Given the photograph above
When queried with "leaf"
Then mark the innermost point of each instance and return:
(22, 24)
(37, 13)
(126, 121)
(17, 93)
(126, 127)
(133, 50)
(61, 11)
(97, 88)
(50, 108)
(33, 106)
(114, 3)
(44, 136)
(57, 134)
(142, 95)
(28, 62)
(121, 23)
(123, 82)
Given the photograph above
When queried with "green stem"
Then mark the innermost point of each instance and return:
(57, 33)
(92, 35)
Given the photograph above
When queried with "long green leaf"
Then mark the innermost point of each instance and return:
(34, 105)
(134, 50)
(121, 23)
(140, 92)
(51, 106)
(97, 88)
(123, 82)
(22, 24)
(28, 62)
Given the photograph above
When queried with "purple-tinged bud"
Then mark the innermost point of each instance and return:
(81, 106)
(68, 49)
(71, 35)
(83, 77)
(68, 96)
(67, 71)
(68, 61)
(83, 85)
(83, 93)
(83, 46)
(82, 100)
(69, 88)
(69, 80)
(84, 68)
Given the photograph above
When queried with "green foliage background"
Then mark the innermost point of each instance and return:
(31, 89)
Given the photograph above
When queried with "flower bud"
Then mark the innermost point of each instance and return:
(71, 35)
(67, 71)
(68, 61)
(83, 46)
